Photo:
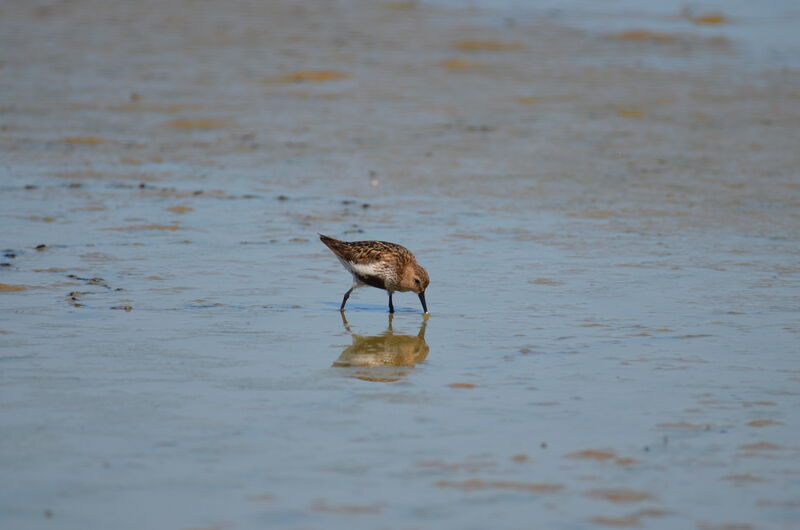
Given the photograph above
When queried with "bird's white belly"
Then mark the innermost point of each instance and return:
(377, 269)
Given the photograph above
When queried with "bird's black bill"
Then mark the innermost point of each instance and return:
(422, 299)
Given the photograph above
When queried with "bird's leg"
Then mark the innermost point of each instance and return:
(346, 296)
(346, 324)
(391, 306)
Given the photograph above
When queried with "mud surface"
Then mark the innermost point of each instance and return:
(607, 202)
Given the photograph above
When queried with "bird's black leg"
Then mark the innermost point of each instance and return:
(346, 296)
(391, 306)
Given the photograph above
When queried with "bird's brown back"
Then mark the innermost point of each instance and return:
(368, 251)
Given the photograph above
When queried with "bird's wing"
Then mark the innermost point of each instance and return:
(366, 252)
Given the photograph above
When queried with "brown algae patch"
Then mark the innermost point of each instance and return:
(172, 108)
(477, 484)
(470, 467)
(202, 124)
(486, 46)
(545, 281)
(759, 404)
(619, 495)
(98, 257)
(685, 426)
(628, 521)
(180, 209)
(761, 446)
(644, 35)
(8, 288)
(84, 174)
(764, 423)
(710, 19)
(592, 454)
(630, 112)
(309, 76)
(457, 63)
(656, 37)
(152, 226)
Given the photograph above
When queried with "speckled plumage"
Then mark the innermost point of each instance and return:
(380, 264)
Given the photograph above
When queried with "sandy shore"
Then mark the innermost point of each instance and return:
(456, 101)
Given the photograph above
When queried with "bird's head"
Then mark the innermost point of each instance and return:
(416, 279)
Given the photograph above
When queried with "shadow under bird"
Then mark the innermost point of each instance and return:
(380, 264)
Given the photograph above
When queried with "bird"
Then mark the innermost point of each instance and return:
(380, 264)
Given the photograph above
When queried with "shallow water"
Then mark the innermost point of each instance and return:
(763, 33)
(613, 253)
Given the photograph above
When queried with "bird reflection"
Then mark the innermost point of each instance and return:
(385, 357)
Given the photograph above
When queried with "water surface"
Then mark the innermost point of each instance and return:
(613, 248)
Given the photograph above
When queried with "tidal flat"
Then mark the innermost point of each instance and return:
(607, 201)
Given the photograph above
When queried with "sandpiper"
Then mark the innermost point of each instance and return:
(380, 264)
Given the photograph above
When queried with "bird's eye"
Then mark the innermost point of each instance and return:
(416, 280)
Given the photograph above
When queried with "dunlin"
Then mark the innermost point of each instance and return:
(387, 266)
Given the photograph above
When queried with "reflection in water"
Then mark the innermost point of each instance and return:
(386, 357)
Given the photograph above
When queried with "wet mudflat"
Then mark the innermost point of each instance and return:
(610, 219)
